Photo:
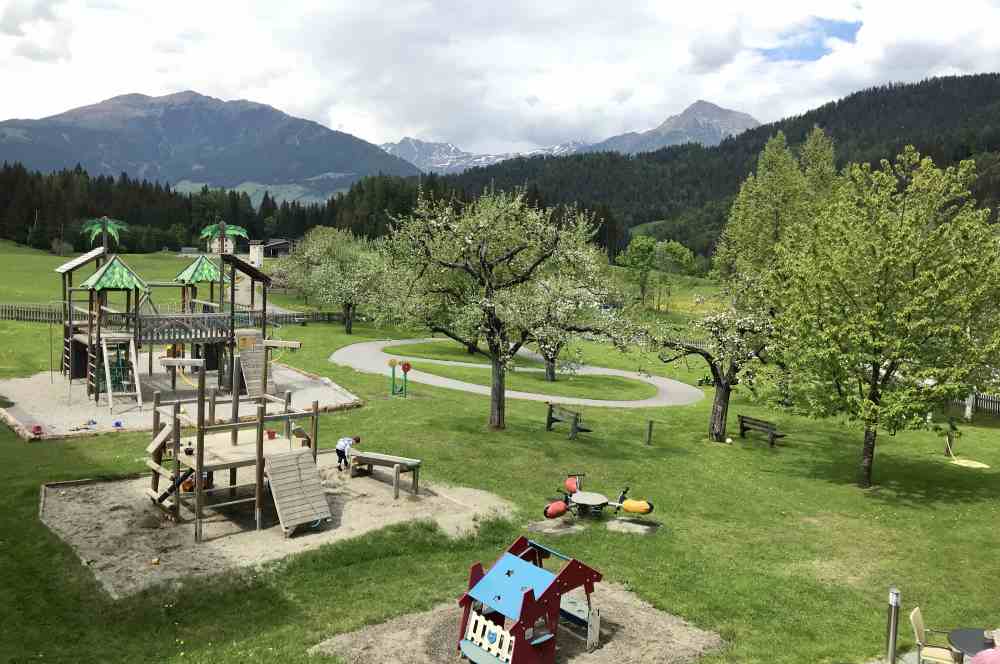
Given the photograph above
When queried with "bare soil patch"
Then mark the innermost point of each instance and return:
(129, 545)
(63, 410)
(632, 632)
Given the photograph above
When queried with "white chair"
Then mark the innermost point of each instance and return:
(936, 654)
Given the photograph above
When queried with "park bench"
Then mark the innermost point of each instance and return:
(560, 414)
(753, 424)
(364, 462)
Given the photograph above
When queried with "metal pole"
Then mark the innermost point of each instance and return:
(892, 626)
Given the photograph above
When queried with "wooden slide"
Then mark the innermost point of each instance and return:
(297, 489)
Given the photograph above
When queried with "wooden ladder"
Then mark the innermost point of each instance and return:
(92, 362)
(67, 353)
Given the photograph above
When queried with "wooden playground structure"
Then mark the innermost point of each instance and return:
(102, 345)
(188, 463)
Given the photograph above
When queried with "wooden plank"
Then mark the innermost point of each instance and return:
(160, 440)
(379, 459)
(160, 470)
(298, 496)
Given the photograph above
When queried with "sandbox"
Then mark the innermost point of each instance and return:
(129, 545)
(62, 409)
(632, 632)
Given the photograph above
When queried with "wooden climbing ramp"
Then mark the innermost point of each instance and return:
(297, 489)
(252, 365)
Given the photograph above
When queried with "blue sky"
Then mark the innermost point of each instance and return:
(811, 43)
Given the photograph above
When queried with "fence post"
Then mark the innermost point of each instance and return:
(892, 626)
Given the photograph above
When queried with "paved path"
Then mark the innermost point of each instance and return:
(370, 357)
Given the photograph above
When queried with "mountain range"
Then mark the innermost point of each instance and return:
(189, 140)
(432, 157)
(702, 122)
(684, 192)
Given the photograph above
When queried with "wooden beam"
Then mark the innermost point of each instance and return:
(259, 468)
(182, 362)
(274, 343)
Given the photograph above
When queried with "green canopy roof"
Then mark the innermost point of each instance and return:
(200, 271)
(115, 275)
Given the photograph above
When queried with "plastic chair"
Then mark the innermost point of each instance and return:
(936, 654)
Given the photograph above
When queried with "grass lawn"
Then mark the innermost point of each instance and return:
(29, 273)
(775, 549)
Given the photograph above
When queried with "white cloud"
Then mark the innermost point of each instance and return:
(491, 76)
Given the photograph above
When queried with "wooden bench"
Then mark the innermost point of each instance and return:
(364, 462)
(753, 424)
(559, 414)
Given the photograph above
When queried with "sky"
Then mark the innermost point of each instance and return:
(488, 77)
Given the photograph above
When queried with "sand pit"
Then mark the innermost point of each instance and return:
(632, 632)
(633, 526)
(118, 534)
(62, 409)
(556, 527)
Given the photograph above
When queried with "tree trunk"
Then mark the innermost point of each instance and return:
(550, 370)
(867, 455)
(498, 396)
(348, 318)
(720, 410)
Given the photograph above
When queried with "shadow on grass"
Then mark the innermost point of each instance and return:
(900, 479)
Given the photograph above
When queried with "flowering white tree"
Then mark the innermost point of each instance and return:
(471, 272)
(335, 267)
(730, 341)
(573, 299)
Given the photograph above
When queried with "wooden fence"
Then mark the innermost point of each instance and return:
(988, 403)
(32, 313)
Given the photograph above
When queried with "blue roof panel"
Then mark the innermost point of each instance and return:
(502, 589)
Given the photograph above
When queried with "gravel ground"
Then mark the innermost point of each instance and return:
(62, 410)
(129, 545)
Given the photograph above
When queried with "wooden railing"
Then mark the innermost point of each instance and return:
(53, 313)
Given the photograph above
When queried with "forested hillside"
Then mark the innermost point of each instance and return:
(681, 192)
(689, 187)
(39, 209)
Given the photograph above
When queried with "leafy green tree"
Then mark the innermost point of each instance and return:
(639, 257)
(673, 257)
(468, 272)
(771, 201)
(889, 308)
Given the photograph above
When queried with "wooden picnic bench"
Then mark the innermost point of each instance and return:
(364, 462)
(559, 414)
(753, 424)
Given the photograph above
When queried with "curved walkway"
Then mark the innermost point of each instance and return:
(369, 357)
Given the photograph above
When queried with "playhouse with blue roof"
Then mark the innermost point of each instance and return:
(510, 615)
